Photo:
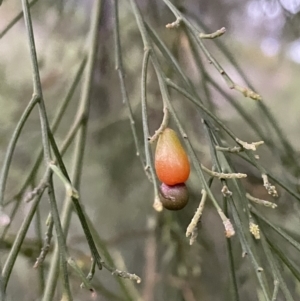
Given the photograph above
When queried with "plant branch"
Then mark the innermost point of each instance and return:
(260, 202)
(192, 229)
(120, 70)
(213, 35)
(157, 205)
(37, 87)
(231, 84)
(15, 249)
(61, 241)
(230, 254)
(47, 241)
(12, 145)
(221, 175)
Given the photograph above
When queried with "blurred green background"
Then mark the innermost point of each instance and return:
(262, 36)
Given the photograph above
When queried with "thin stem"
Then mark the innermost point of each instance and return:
(275, 291)
(216, 34)
(12, 145)
(204, 76)
(70, 190)
(83, 111)
(220, 161)
(234, 287)
(86, 282)
(244, 145)
(120, 70)
(166, 101)
(82, 115)
(12, 256)
(261, 105)
(279, 182)
(47, 241)
(141, 25)
(291, 265)
(202, 107)
(147, 51)
(231, 84)
(37, 87)
(55, 124)
(174, 24)
(163, 125)
(108, 258)
(61, 241)
(275, 270)
(167, 54)
(54, 266)
(235, 149)
(260, 202)
(281, 232)
(70, 93)
(38, 229)
(242, 112)
(122, 274)
(192, 229)
(92, 271)
(258, 269)
(149, 162)
(222, 175)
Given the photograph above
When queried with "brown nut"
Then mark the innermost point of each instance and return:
(174, 197)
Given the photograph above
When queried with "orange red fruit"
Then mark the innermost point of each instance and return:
(171, 162)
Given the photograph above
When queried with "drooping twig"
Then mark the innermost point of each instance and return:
(47, 241)
(157, 205)
(12, 145)
(192, 229)
(235, 149)
(260, 202)
(174, 24)
(61, 240)
(124, 274)
(30, 195)
(162, 127)
(213, 35)
(250, 146)
(12, 256)
(223, 175)
(91, 273)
